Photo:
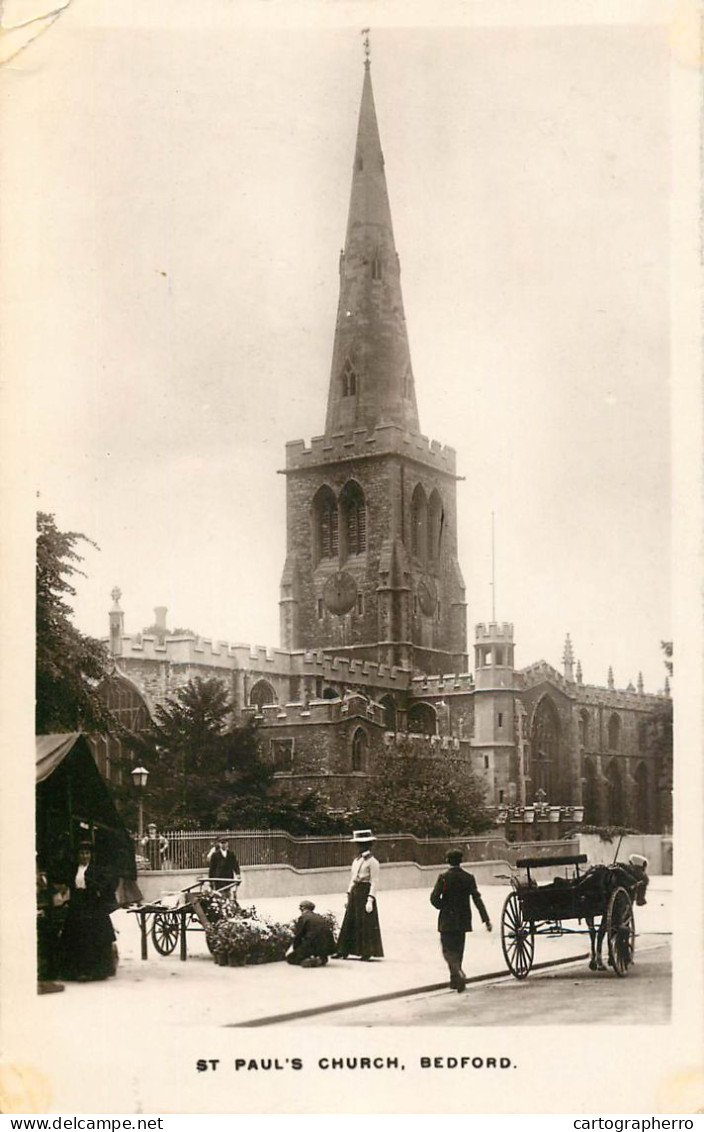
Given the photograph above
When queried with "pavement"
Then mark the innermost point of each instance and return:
(405, 987)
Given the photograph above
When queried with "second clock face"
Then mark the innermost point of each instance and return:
(340, 592)
(427, 598)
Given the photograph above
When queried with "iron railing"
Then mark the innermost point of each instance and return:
(187, 849)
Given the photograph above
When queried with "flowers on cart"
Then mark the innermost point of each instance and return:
(218, 905)
(246, 938)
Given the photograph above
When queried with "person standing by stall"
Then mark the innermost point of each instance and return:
(88, 936)
(360, 933)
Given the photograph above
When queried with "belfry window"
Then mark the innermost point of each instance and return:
(436, 521)
(349, 380)
(354, 512)
(326, 524)
(419, 523)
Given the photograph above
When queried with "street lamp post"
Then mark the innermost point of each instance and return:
(140, 775)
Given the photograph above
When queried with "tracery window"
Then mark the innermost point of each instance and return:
(262, 693)
(349, 380)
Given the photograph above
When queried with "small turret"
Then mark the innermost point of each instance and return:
(610, 679)
(640, 683)
(117, 623)
(579, 672)
(568, 660)
(493, 655)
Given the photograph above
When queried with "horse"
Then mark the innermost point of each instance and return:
(598, 884)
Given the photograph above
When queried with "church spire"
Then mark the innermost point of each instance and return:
(371, 380)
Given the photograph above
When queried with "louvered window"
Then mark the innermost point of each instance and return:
(355, 519)
(328, 530)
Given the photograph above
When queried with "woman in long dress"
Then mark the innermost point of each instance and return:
(88, 935)
(360, 933)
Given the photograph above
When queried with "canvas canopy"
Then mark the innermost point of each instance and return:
(74, 803)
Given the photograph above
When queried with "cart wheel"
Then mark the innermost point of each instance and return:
(620, 931)
(517, 938)
(165, 931)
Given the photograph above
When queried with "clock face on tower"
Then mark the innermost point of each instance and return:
(340, 592)
(427, 596)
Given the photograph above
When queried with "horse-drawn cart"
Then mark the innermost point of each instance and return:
(196, 908)
(602, 897)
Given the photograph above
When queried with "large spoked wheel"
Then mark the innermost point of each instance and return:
(517, 938)
(620, 931)
(165, 931)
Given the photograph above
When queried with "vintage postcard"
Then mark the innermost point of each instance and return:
(355, 351)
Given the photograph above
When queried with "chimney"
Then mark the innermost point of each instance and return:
(160, 612)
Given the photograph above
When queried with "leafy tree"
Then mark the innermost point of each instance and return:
(421, 796)
(68, 663)
(197, 759)
(205, 772)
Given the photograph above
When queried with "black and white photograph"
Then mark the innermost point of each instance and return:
(351, 418)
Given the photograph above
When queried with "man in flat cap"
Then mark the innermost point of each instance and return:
(451, 895)
(313, 940)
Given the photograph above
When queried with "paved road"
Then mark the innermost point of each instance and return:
(565, 995)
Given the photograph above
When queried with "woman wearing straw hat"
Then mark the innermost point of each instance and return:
(360, 933)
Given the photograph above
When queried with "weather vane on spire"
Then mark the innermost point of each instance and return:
(367, 46)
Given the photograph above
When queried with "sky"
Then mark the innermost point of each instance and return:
(176, 212)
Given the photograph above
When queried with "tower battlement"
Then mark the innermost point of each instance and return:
(318, 711)
(442, 685)
(494, 631)
(384, 439)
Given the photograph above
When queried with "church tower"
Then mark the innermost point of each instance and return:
(371, 566)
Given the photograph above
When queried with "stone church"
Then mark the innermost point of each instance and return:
(374, 653)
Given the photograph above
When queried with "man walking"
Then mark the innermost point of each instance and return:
(451, 896)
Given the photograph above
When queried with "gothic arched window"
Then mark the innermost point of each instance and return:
(591, 793)
(349, 380)
(262, 693)
(614, 732)
(584, 728)
(544, 747)
(422, 720)
(642, 807)
(616, 814)
(325, 510)
(419, 523)
(359, 749)
(436, 519)
(354, 518)
(389, 706)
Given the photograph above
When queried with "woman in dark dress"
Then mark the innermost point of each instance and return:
(88, 936)
(360, 933)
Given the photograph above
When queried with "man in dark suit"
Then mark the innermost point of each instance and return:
(451, 896)
(223, 865)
